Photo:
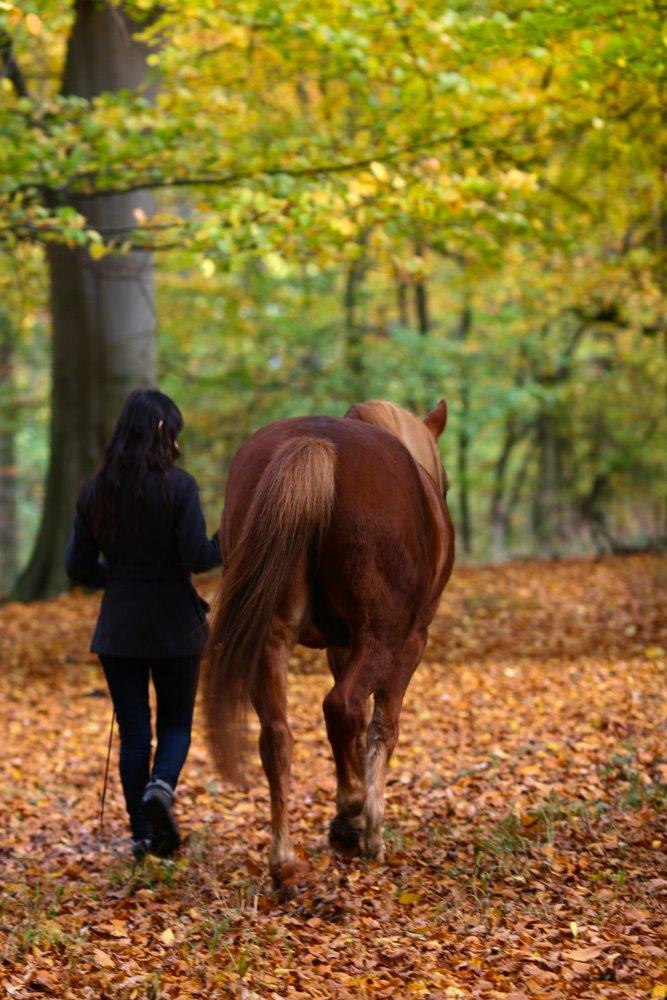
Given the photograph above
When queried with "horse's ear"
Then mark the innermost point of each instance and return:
(436, 420)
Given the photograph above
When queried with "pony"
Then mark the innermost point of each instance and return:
(335, 534)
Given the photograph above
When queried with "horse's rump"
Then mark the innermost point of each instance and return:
(380, 533)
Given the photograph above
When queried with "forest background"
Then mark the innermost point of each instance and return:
(274, 209)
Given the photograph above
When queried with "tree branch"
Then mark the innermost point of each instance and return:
(227, 180)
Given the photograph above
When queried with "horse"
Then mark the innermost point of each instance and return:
(336, 535)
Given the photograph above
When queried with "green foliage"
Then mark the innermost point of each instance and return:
(507, 156)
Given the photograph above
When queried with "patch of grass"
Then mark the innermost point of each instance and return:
(394, 839)
(633, 789)
(152, 873)
(216, 929)
(199, 845)
(508, 840)
(503, 853)
(554, 812)
(639, 793)
(153, 988)
(240, 963)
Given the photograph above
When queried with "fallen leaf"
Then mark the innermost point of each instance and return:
(101, 958)
(409, 898)
(583, 954)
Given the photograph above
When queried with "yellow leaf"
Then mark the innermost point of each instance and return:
(276, 265)
(101, 958)
(33, 24)
(408, 898)
(654, 652)
(167, 937)
(139, 215)
(344, 226)
(379, 171)
(97, 250)
(659, 991)
(574, 928)
(207, 267)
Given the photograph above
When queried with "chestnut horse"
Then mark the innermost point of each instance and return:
(336, 535)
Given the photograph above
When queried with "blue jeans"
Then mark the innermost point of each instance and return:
(175, 682)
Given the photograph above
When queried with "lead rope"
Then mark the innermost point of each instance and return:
(106, 773)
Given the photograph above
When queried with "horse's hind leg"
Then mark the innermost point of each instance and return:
(346, 711)
(275, 745)
(383, 736)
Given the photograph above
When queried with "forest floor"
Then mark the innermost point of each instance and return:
(525, 826)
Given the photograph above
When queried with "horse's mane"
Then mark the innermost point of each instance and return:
(410, 431)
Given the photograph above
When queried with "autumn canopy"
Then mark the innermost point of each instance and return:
(274, 209)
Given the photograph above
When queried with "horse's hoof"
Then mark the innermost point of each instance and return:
(373, 849)
(345, 833)
(287, 877)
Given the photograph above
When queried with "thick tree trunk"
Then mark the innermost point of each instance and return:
(8, 505)
(102, 311)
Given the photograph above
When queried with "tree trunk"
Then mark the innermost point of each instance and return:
(354, 359)
(102, 312)
(465, 525)
(421, 299)
(402, 303)
(546, 501)
(353, 339)
(499, 514)
(8, 506)
(515, 490)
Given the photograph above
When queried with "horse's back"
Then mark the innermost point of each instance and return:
(374, 471)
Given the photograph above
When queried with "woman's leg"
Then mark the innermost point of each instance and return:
(128, 685)
(175, 683)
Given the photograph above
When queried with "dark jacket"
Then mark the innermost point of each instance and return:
(150, 608)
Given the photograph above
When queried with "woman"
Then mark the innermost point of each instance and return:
(144, 517)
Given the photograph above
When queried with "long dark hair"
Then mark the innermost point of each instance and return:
(144, 438)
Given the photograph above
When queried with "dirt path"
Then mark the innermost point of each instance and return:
(527, 842)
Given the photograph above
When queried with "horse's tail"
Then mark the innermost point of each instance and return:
(290, 511)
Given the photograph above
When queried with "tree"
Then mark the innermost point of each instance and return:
(8, 506)
(103, 314)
